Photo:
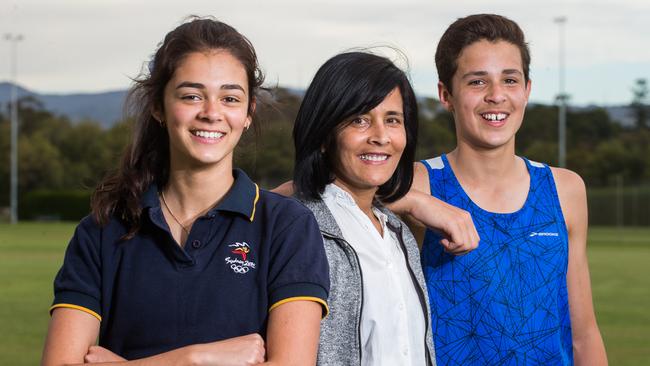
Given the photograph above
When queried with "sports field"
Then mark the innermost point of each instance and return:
(31, 253)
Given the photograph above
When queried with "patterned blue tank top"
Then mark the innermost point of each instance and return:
(504, 303)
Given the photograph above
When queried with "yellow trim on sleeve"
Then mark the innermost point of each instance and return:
(303, 298)
(77, 307)
(257, 197)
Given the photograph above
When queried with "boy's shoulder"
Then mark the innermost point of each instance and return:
(568, 181)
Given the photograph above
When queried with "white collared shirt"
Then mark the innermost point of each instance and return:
(392, 321)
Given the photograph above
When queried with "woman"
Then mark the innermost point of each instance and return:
(355, 138)
(184, 260)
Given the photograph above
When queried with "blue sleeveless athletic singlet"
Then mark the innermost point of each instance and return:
(505, 303)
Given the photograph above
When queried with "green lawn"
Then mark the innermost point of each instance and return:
(31, 253)
(619, 261)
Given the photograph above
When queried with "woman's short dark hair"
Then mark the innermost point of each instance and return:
(474, 28)
(146, 159)
(347, 85)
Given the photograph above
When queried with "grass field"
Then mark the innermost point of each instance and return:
(31, 253)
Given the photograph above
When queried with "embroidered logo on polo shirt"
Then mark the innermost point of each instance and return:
(243, 251)
(240, 263)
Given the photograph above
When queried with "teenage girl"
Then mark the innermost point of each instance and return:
(184, 260)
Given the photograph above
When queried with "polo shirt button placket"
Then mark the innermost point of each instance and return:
(196, 244)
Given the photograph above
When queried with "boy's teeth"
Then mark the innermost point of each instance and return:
(374, 157)
(208, 135)
(495, 116)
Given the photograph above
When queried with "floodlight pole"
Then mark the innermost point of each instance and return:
(13, 199)
(562, 98)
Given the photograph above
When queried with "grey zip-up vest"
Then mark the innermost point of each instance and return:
(340, 335)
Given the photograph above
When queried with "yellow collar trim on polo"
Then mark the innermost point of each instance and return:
(257, 197)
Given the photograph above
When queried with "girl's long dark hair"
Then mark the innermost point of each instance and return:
(146, 159)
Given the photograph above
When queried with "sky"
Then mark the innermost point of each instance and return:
(99, 45)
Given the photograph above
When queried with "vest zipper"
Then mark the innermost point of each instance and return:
(348, 248)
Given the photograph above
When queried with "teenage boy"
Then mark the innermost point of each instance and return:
(523, 296)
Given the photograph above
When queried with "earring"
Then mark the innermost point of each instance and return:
(247, 126)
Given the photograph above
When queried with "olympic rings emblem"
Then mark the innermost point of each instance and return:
(239, 269)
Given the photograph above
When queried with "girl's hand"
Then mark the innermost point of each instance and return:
(97, 354)
(246, 350)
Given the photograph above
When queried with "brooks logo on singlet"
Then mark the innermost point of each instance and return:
(543, 234)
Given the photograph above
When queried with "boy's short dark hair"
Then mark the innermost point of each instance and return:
(465, 31)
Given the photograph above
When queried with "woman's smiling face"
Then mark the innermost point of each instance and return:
(369, 146)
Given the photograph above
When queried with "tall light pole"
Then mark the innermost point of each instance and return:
(562, 97)
(13, 199)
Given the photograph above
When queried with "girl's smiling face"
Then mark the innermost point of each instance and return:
(206, 109)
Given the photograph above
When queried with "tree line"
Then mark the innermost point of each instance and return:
(57, 154)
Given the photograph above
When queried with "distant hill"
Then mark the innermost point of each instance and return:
(107, 107)
(621, 114)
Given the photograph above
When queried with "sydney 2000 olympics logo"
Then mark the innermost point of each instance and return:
(241, 263)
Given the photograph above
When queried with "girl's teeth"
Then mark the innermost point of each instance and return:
(208, 135)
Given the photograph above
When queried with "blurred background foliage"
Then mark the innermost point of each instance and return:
(61, 161)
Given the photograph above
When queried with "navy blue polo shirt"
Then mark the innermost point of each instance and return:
(254, 251)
